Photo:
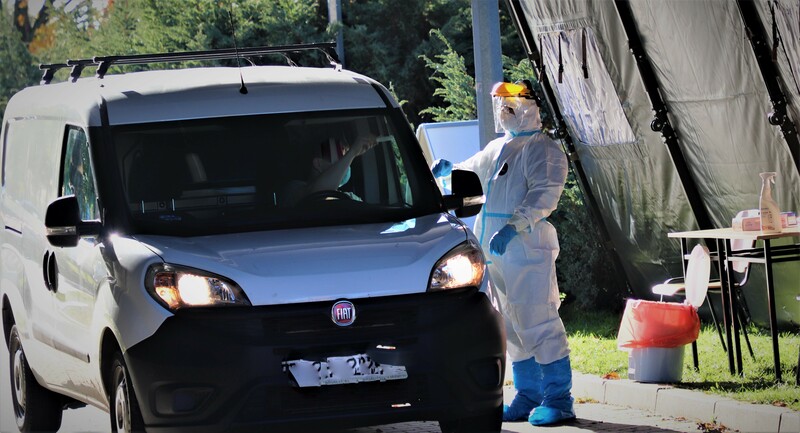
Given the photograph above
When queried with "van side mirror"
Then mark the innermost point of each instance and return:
(467, 197)
(64, 225)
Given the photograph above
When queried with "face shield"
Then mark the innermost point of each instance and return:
(514, 110)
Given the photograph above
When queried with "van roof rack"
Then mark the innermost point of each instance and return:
(102, 63)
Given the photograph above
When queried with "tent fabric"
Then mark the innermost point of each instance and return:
(718, 104)
(787, 20)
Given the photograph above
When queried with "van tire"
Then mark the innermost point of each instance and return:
(124, 408)
(491, 422)
(35, 408)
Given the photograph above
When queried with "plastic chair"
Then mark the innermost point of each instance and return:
(698, 270)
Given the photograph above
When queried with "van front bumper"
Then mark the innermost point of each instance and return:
(222, 369)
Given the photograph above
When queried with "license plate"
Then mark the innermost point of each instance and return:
(341, 370)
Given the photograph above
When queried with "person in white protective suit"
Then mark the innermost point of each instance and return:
(523, 173)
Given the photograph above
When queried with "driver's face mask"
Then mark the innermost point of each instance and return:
(508, 113)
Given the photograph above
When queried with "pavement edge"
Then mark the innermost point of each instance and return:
(666, 400)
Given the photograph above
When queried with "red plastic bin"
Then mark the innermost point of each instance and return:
(657, 324)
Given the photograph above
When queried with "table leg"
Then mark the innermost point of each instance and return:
(734, 309)
(725, 300)
(773, 321)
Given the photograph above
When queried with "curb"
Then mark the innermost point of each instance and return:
(667, 400)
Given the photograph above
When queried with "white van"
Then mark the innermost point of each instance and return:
(158, 263)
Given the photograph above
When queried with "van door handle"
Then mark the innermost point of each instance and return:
(50, 271)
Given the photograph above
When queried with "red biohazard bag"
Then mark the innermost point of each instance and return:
(657, 324)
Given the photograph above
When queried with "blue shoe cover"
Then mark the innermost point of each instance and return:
(517, 411)
(527, 381)
(557, 401)
(543, 415)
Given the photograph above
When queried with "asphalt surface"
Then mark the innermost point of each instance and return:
(601, 406)
(592, 417)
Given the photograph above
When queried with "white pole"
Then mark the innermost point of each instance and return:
(488, 62)
(335, 16)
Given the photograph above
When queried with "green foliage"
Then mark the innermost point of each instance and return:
(515, 71)
(16, 70)
(151, 26)
(456, 86)
(385, 39)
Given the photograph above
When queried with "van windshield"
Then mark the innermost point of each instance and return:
(222, 175)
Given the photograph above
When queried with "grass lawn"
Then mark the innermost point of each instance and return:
(593, 342)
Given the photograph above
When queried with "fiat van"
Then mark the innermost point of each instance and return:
(169, 256)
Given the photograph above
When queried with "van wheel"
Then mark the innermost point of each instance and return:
(125, 414)
(491, 422)
(35, 408)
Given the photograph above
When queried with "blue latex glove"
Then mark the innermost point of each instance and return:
(442, 167)
(500, 240)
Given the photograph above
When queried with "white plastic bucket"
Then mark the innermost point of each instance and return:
(656, 364)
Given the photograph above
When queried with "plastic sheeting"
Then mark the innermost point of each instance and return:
(718, 104)
(585, 91)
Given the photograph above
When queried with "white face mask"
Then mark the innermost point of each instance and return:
(346, 177)
(514, 114)
(507, 114)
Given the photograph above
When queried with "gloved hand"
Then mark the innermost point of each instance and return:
(442, 167)
(500, 240)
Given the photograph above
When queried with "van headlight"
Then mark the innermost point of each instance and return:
(463, 266)
(182, 287)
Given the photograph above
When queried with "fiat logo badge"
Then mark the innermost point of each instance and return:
(343, 313)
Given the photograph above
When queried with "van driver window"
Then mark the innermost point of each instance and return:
(78, 177)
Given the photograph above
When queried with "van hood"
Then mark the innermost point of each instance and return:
(320, 263)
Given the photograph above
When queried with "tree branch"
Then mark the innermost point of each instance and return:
(21, 20)
(42, 16)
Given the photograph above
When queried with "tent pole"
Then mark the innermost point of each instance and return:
(661, 121)
(757, 35)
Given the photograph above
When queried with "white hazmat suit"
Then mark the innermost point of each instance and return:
(523, 175)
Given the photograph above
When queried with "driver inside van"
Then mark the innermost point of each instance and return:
(330, 169)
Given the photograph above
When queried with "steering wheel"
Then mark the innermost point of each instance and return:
(326, 194)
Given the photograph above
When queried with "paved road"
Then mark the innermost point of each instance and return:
(592, 417)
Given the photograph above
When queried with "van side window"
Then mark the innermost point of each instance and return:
(78, 176)
(16, 158)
